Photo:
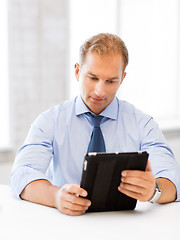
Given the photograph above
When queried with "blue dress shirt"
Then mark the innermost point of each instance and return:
(58, 140)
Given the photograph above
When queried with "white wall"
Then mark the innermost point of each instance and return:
(38, 55)
(173, 139)
(38, 40)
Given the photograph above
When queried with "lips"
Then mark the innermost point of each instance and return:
(95, 99)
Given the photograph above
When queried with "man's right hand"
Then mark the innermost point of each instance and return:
(69, 200)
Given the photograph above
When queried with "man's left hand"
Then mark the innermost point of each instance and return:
(138, 184)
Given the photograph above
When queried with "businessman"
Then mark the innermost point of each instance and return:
(59, 138)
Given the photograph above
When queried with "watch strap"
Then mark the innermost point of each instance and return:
(156, 195)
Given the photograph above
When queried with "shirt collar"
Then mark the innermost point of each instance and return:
(109, 112)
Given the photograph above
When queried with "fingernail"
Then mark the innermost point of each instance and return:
(84, 193)
(89, 203)
(123, 174)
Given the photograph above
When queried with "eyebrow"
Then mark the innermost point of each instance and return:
(112, 78)
(89, 73)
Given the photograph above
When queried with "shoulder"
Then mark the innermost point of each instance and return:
(63, 107)
(129, 112)
(126, 107)
(50, 116)
(133, 118)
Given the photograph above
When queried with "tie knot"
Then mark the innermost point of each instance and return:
(97, 141)
(96, 119)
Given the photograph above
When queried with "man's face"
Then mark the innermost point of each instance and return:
(99, 78)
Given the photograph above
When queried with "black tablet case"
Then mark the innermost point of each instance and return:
(101, 177)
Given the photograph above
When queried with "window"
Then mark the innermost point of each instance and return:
(151, 32)
(4, 87)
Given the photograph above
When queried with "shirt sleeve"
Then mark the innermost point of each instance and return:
(162, 160)
(34, 157)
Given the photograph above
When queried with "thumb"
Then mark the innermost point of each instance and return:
(148, 166)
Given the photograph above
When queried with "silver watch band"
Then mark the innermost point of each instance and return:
(156, 195)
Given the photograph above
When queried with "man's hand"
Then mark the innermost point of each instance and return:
(69, 200)
(138, 184)
(65, 199)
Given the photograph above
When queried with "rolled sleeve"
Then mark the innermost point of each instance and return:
(34, 157)
(163, 162)
(173, 178)
(22, 176)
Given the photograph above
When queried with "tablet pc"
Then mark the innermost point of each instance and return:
(101, 177)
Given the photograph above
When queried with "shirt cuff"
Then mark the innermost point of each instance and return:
(20, 178)
(175, 180)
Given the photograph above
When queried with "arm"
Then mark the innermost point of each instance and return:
(168, 190)
(141, 186)
(65, 199)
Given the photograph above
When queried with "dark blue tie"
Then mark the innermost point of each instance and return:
(97, 141)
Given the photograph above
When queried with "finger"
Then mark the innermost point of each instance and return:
(72, 213)
(147, 184)
(65, 204)
(140, 193)
(75, 189)
(136, 174)
(75, 207)
(131, 188)
(78, 200)
(134, 181)
(148, 166)
(134, 195)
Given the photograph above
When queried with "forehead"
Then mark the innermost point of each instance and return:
(108, 64)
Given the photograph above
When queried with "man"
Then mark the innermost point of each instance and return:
(59, 138)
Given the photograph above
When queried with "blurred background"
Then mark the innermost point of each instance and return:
(39, 44)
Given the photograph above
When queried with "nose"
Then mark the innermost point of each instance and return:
(100, 89)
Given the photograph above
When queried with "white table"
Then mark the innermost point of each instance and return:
(24, 220)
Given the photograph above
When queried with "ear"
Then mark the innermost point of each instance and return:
(76, 68)
(124, 75)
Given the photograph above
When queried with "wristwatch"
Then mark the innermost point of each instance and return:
(156, 195)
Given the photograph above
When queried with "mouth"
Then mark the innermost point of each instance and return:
(97, 100)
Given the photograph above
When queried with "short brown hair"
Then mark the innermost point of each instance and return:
(104, 44)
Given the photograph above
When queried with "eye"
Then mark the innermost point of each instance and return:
(93, 78)
(110, 81)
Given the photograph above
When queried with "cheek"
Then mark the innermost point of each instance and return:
(112, 91)
(84, 87)
(87, 86)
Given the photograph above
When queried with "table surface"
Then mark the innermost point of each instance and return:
(25, 220)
